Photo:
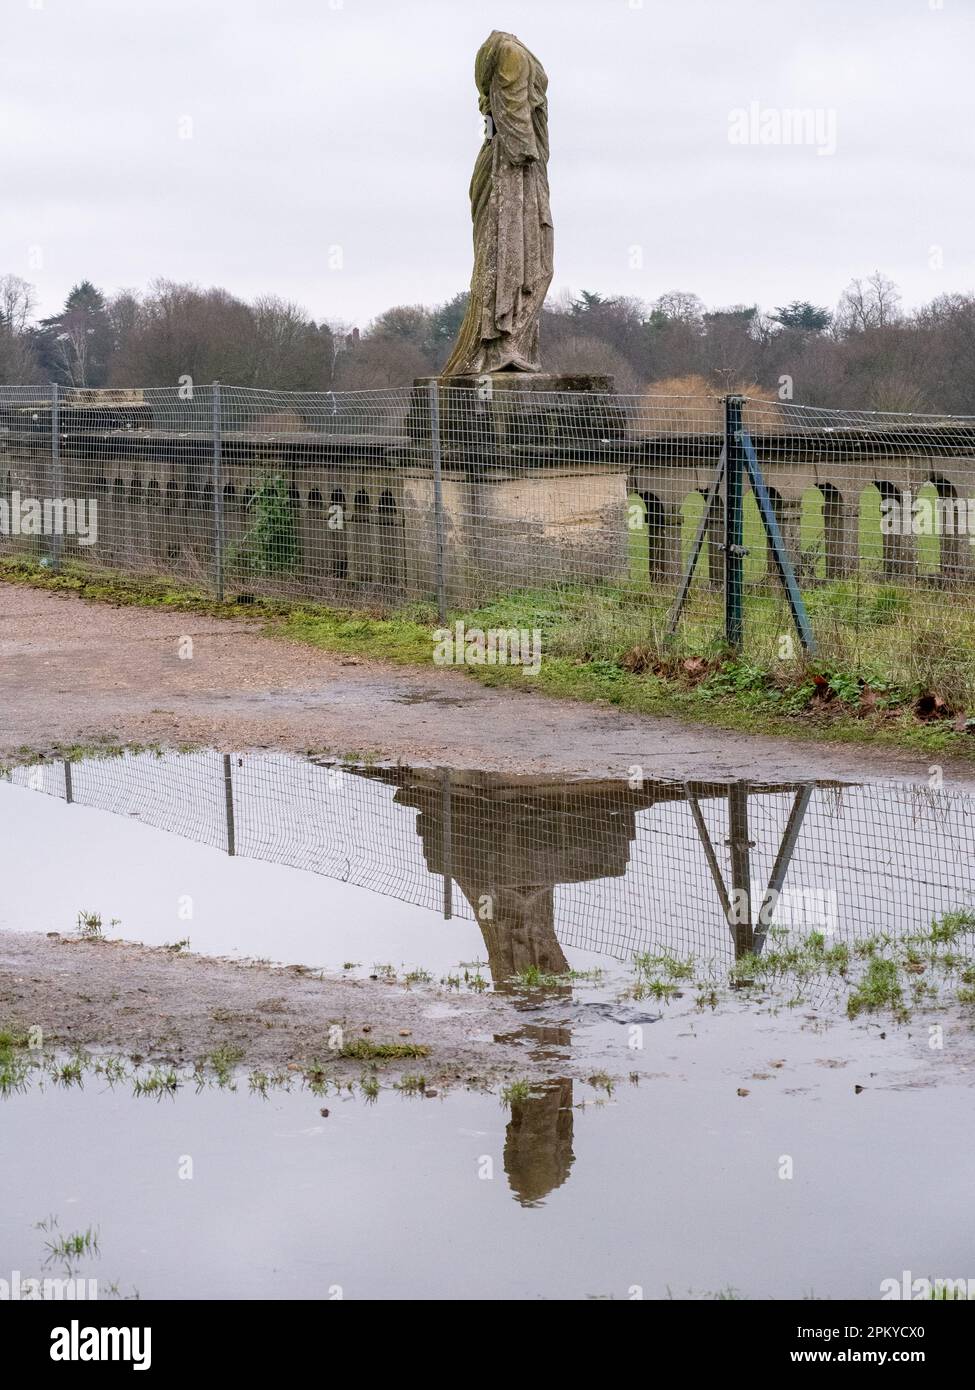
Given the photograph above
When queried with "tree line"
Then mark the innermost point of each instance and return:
(867, 353)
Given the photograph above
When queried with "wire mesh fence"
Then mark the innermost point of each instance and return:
(702, 870)
(585, 507)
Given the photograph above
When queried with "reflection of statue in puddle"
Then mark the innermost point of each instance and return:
(518, 926)
(508, 843)
(538, 1142)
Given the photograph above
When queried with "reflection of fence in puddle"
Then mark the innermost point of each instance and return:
(544, 864)
(595, 865)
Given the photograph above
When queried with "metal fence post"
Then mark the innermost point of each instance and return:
(57, 476)
(217, 492)
(228, 804)
(448, 845)
(441, 546)
(734, 551)
(741, 876)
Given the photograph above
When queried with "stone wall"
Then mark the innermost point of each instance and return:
(531, 496)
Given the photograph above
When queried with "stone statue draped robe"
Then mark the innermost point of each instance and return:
(512, 220)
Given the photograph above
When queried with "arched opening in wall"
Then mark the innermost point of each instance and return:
(887, 540)
(172, 494)
(390, 559)
(870, 538)
(811, 537)
(315, 543)
(710, 566)
(361, 537)
(231, 530)
(152, 493)
(690, 517)
(941, 554)
(101, 483)
(338, 538)
(791, 519)
(118, 490)
(135, 521)
(760, 545)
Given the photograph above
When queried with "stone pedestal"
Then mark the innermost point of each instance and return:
(534, 482)
(526, 418)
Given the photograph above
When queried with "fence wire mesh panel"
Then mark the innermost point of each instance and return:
(599, 518)
(877, 517)
(27, 466)
(546, 866)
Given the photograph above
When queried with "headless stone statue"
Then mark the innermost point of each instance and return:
(512, 218)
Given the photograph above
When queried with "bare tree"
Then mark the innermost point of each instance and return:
(19, 363)
(680, 306)
(871, 355)
(582, 355)
(870, 303)
(17, 303)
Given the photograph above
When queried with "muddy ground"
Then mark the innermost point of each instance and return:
(152, 1004)
(75, 672)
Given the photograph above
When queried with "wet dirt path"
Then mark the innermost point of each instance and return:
(75, 672)
(160, 1005)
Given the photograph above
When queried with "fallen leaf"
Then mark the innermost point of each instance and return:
(932, 706)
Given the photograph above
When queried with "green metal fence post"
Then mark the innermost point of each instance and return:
(734, 550)
(217, 491)
(57, 475)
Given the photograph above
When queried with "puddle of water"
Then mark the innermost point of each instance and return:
(662, 1187)
(677, 1182)
(431, 697)
(517, 871)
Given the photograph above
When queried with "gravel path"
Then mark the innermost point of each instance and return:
(73, 672)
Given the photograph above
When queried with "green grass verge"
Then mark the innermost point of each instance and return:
(884, 651)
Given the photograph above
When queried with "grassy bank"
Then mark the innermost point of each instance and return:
(895, 667)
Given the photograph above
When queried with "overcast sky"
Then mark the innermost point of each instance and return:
(352, 124)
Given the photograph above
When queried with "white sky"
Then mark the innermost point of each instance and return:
(318, 123)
